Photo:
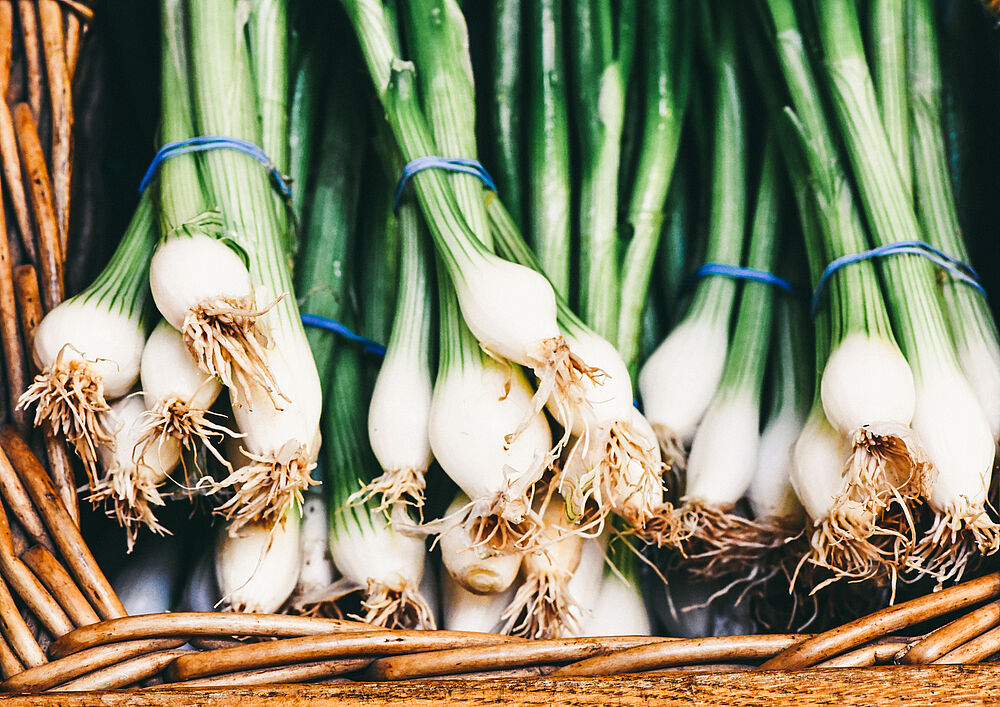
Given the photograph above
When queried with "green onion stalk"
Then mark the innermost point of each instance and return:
(603, 42)
(549, 226)
(948, 420)
(678, 381)
(199, 275)
(440, 41)
(724, 451)
(665, 69)
(176, 393)
(304, 112)
(399, 412)
(973, 329)
(503, 107)
(280, 419)
(88, 348)
(385, 565)
(619, 468)
(867, 386)
(509, 308)
(887, 40)
(322, 279)
(475, 401)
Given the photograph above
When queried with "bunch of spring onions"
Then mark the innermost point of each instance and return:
(599, 370)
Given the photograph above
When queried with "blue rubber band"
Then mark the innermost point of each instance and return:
(959, 270)
(452, 164)
(204, 143)
(741, 273)
(336, 327)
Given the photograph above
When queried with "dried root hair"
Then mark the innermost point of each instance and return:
(266, 486)
(720, 543)
(543, 607)
(606, 481)
(960, 535)
(131, 496)
(189, 426)
(395, 607)
(225, 339)
(561, 374)
(396, 490)
(666, 528)
(854, 545)
(503, 524)
(70, 401)
(887, 465)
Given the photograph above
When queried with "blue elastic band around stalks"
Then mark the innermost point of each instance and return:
(452, 164)
(741, 273)
(959, 270)
(204, 143)
(336, 327)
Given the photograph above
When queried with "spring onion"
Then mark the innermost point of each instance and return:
(972, 326)
(509, 308)
(371, 555)
(543, 606)
(615, 459)
(399, 413)
(680, 378)
(477, 401)
(257, 565)
(948, 419)
(474, 567)
(198, 277)
(133, 469)
(88, 348)
(867, 386)
(280, 422)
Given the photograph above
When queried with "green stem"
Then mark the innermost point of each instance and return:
(601, 78)
(667, 61)
(392, 78)
(969, 314)
(887, 22)
(441, 46)
(548, 227)
(412, 323)
(910, 279)
(714, 296)
(303, 120)
(853, 295)
(747, 357)
(322, 272)
(268, 37)
(224, 102)
(504, 104)
(123, 285)
(181, 192)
